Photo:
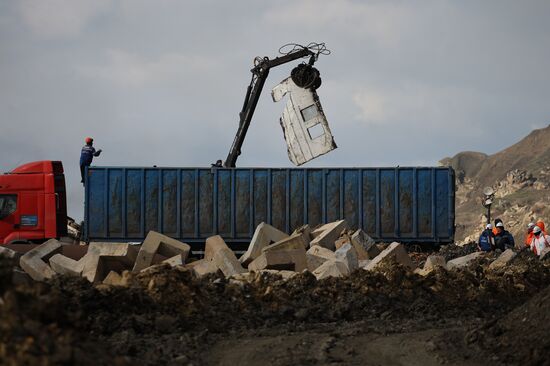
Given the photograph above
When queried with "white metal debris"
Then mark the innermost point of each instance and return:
(304, 124)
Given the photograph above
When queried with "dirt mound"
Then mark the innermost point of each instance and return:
(521, 337)
(518, 174)
(531, 152)
(168, 316)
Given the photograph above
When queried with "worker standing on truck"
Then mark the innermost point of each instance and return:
(87, 155)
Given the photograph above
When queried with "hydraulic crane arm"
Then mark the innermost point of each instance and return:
(259, 76)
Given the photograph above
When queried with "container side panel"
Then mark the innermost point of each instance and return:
(260, 197)
(242, 201)
(188, 203)
(406, 202)
(333, 195)
(133, 203)
(170, 202)
(278, 199)
(351, 197)
(424, 187)
(296, 199)
(315, 197)
(115, 211)
(97, 204)
(387, 202)
(206, 190)
(442, 202)
(151, 200)
(369, 202)
(224, 202)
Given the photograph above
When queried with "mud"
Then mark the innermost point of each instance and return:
(167, 316)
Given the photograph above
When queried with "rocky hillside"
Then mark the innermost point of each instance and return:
(520, 176)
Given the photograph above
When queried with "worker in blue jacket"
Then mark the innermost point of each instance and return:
(87, 155)
(503, 239)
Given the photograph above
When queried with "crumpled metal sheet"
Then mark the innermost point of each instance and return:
(304, 124)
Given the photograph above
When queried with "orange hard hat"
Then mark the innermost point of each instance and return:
(89, 140)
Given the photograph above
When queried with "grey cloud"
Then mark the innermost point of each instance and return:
(162, 82)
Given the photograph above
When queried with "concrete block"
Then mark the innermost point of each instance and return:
(177, 260)
(227, 262)
(295, 241)
(317, 255)
(213, 244)
(348, 255)
(202, 267)
(344, 239)
(306, 231)
(102, 257)
(288, 259)
(503, 260)
(156, 243)
(328, 234)
(8, 253)
(284, 274)
(363, 263)
(112, 279)
(394, 252)
(67, 266)
(464, 261)
(34, 262)
(115, 279)
(364, 245)
(264, 235)
(331, 268)
(434, 261)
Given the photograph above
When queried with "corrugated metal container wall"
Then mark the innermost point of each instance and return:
(403, 204)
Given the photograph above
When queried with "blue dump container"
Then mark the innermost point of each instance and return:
(409, 205)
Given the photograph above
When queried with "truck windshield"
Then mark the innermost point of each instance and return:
(8, 205)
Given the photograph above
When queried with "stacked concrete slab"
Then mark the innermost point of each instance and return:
(330, 250)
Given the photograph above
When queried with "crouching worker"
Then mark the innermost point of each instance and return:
(540, 241)
(503, 239)
(486, 241)
(529, 235)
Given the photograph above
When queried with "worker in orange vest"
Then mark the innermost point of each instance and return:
(529, 235)
(541, 225)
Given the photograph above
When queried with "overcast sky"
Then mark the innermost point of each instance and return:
(161, 82)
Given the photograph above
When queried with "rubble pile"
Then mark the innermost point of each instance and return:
(331, 250)
(152, 303)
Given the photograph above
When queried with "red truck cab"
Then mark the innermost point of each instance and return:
(33, 203)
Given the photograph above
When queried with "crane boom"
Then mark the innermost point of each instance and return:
(259, 76)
